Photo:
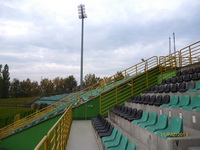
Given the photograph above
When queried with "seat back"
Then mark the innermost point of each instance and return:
(197, 69)
(111, 137)
(195, 101)
(162, 122)
(142, 99)
(166, 99)
(145, 116)
(152, 89)
(174, 100)
(152, 100)
(195, 76)
(147, 98)
(156, 89)
(161, 88)
(131, 146)
(134, 112)
(190, 85)
(187, 78)
(180, 79)
(129, 111)
(167, 88)
(139, 114)
(123, 143)
(198, 85)
(137, 99)
(174, 79)
(158, 100)
(174, 88)
(176, 125)
(125, 110)
(182, 87)
(185, 100)
(152, 117)
(118, 138)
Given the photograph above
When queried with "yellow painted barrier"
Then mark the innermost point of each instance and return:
(57, 136)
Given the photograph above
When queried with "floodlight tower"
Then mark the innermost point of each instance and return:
(82, 15)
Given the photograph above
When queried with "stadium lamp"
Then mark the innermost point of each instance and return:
(82, 15)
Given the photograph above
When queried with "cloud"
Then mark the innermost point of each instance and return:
(42, 38)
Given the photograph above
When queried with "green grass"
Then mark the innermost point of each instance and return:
(16, 100)
(12, 111)
(7, 114)
(8, 109)
(28, 139)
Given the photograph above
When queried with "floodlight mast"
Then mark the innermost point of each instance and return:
(82, 15)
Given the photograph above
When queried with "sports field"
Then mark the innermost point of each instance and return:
(16, 100)
(8, 109)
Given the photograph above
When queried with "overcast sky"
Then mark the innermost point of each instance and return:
(41, 38)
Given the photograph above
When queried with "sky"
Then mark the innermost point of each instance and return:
(42, 38)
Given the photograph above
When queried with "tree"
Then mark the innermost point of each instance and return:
(15, 88)
(25, 88)
(47, 86)
(58, 85)
(90, 79)
(35, 89)
(70, 84)
(1, 82)
(6, 82)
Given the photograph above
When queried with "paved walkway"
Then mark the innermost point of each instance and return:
(81, 136)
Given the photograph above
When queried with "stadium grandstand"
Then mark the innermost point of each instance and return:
(152, 105)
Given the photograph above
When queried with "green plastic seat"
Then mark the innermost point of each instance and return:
(194, 103)
(122, 145)
(175, 127)
(151, 120)
(111, 137)
(162, 123)
(131, 146)
(185, 100)
(144, 118)
(114, 142)
(195, 89)
(173, 101)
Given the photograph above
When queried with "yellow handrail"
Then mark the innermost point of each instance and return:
(185, 56)
(58, 135)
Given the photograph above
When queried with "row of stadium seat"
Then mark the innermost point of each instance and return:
(153, 123)
(111, 138)
(181, 78)
(184, 103)
(150, 100)
(189, 71)
(181, 87)
(127, 112)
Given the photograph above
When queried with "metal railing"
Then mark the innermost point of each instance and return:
(185, 56)
(57, 136)
(163, 68)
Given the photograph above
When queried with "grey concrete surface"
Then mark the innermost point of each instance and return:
(81, 136)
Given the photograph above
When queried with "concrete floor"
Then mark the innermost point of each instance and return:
(81, 136)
